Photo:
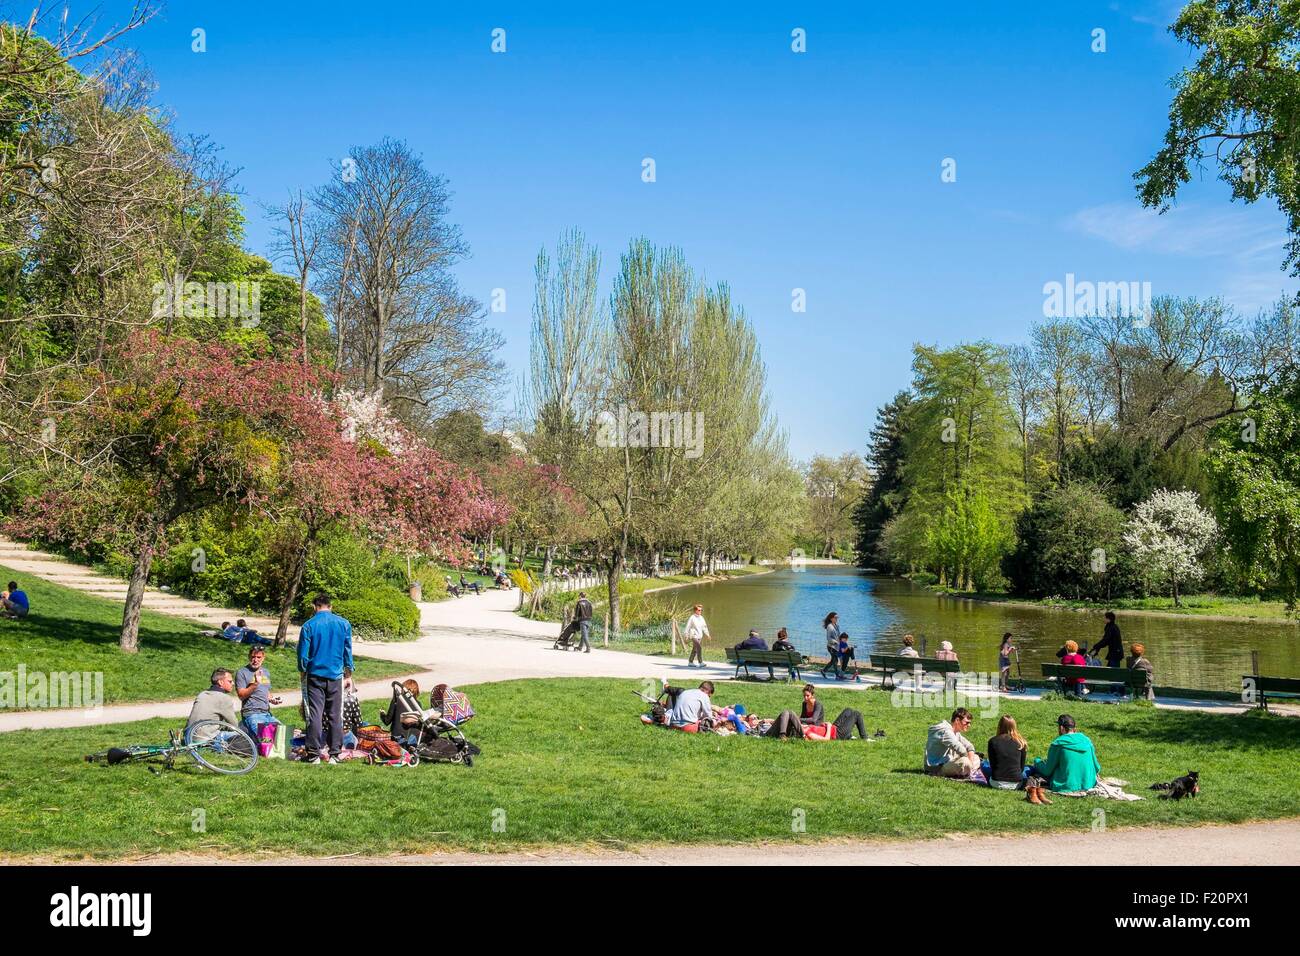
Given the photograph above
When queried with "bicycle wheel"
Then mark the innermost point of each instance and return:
(221, 747)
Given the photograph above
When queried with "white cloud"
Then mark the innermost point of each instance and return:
(1248, 243)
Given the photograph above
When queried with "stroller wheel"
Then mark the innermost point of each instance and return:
(469, 761)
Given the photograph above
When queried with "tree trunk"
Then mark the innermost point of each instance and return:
(291, 592)
(614, 579)
(302, 313)
(546, 565)
(145, 550)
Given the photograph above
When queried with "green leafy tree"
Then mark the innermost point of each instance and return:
(1068, 544)
(1255, 475)
(1237, 107)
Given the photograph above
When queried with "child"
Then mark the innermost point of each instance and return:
(846, 655)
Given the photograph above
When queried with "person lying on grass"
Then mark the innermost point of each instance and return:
(947, 752)
(1071, 763)
(810, 722)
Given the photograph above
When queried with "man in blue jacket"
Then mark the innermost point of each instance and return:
(324, 657)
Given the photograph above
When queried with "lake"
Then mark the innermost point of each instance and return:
(877, 611)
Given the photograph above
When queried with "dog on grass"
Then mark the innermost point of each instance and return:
(1179, 787)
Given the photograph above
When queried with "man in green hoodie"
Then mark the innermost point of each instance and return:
(1071, 762)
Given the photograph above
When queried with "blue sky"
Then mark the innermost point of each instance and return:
(775, 170)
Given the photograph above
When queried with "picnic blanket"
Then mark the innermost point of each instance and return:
(1110, 788)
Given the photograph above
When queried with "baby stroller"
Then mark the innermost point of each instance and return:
(434, 735)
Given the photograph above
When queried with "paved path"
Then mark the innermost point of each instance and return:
(51, 567)
(1275, 842)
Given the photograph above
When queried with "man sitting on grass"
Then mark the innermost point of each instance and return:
(253, 687)
(215, 703)
(1071, 763)
(692, 706)
(947, 752)
(14, 603)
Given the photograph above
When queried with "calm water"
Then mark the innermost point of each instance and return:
(878, 611)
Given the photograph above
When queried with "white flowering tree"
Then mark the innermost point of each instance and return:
(1169, 534)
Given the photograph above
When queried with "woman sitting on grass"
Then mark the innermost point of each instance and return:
(1007, 756)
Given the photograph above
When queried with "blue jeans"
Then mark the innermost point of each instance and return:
(254, 721)
(586, 635)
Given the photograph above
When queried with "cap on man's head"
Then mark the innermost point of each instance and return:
(1066, 721)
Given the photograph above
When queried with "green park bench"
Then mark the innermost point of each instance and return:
(791, 660)
(1134, 681)
(892, 663)
(1257, 689)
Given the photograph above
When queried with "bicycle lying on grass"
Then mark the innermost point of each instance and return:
(215, 744)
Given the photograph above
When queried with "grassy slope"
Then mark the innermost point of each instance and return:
(567, 762)
(68, 630)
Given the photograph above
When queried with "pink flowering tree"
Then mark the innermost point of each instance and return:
(172, 427)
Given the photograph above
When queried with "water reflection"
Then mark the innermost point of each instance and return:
(878, 611)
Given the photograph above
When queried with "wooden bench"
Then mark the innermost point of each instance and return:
(1257, 689)
(791, 660)
(891, 663)
(1127, 678)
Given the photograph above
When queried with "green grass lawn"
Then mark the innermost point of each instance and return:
(69, 630)
(566, 762)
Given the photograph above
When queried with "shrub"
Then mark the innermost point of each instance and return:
(383, 614)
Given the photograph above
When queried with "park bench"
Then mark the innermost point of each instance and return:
(1134, 681)
(891, 663)
(791, 660)
(1257, 689)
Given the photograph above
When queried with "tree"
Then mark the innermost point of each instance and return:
(1240, 105)
(833, 487)
(885, 496)
(299, 237)
(1067, 544)
(1169, 534)
(177, 427)
(405, 328)
(1255, 474)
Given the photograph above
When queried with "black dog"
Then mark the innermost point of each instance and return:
(1188, 786)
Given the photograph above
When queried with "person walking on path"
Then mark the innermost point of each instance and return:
(1112, 641)
(832, 625)
(697, 629)
(324, 657)
(582, 612)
